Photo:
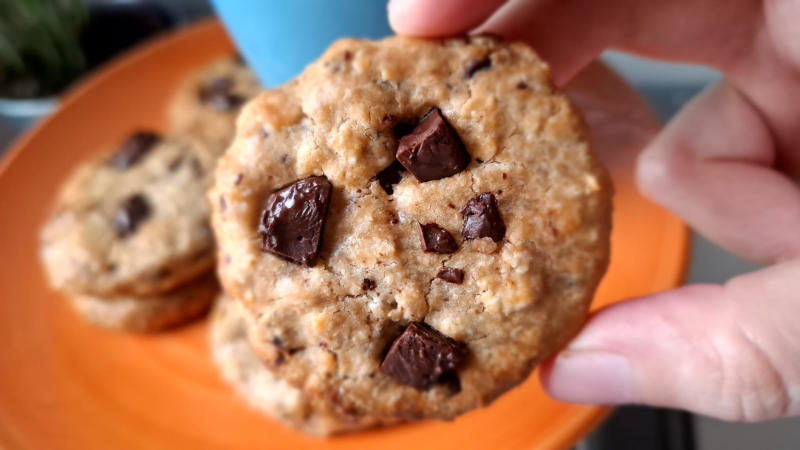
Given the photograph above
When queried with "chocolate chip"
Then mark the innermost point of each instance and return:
(197, 168)
(482, 218)
(368, 284)
(130, 214)
(477, 65)
(277, 342)
(293, 218)
(422, 356)
(436, 239)
(400, 129)
(451, 275)
(133, 149)
(452, 382)
(218, 93)
(390, 176)
(175, 163)
(238, 179)
(522, 85)
(433, 150)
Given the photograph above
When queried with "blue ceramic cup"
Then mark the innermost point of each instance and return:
(278, 38)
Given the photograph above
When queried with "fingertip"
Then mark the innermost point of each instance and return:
(438, 17)
(589, 377)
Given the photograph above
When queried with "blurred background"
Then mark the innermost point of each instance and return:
(46, 46)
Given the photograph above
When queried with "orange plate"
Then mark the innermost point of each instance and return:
(65, 384)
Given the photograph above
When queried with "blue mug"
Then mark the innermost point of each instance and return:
(278, 38)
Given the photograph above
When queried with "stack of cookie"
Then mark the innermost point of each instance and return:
(129, 239)
(403, 233)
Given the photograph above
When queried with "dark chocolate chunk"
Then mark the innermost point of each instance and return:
(477, 65)
(451, 275)
(390, 176)
(218, 93)
(175, 163)
(133, 149)
(433, 150)
(197, 168)
(452, 382)
(436, 239)
(133, 211)
(368, 284)
(482, 218)
(293, 218)
(400, 129)
(422, 356)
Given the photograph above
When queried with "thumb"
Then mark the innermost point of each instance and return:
(726, 351)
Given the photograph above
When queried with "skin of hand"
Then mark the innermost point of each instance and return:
(728, 164)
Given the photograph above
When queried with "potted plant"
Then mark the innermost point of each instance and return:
(40, 54)
(45, 45)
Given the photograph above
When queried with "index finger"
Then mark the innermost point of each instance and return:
(439, 18)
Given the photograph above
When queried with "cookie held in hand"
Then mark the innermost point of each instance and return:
(464, 232)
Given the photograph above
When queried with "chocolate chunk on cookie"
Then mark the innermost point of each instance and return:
(390, 176)
(436, 239)
(133, 211)
(133, 149)
(367, 284)
(218, 93)
(451, 275)
(482, 218)
(421, 356)
(433, 149)
(293, 217)
(477, 65)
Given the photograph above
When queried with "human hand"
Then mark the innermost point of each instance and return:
(728, 164)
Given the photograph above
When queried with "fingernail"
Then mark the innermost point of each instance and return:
(591, 376)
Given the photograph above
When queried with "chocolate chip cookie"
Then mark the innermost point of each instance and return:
(412, 224)
(149, 314)
(262, 389)
(133, 222)
(207, 103)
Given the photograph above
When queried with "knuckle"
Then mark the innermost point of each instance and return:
(752, 388)
(659, 169)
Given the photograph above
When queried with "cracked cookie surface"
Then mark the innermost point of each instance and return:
(262, 389)
(528, 211)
